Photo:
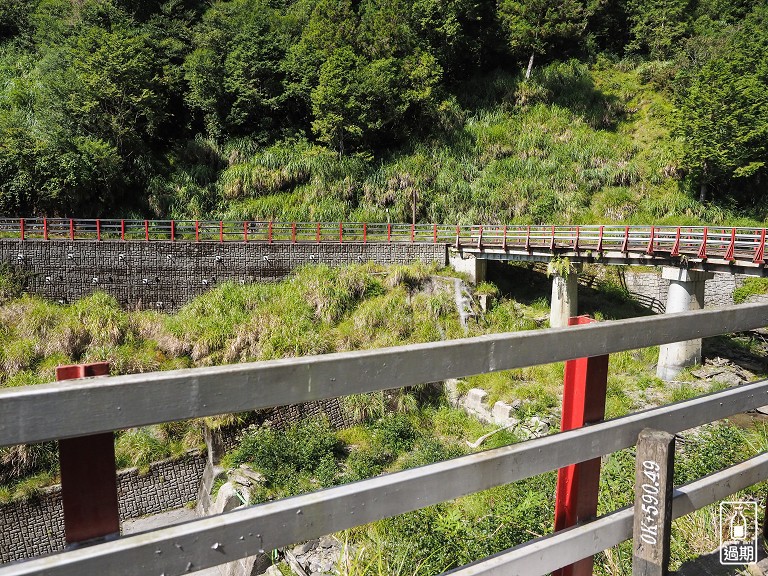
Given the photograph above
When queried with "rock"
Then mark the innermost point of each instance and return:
(328, 542)
(517, 404)
(273, 571)
(246, 470)
(304, 548)
(728, 378)
(502, 412)
(477, 399)
(240, 479)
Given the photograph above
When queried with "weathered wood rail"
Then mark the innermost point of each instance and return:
(91, 406)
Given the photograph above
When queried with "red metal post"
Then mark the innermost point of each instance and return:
(576, 240)
(146, 230)
(552, 241)
(197, 231)
(88, 476)
(434, 234)
(504, 241)
(173, 231)
(649, 249)
(122, 230)
(341, 232)
(413, 231)
(269, 232)
(586, 382)
(760, 250)
(293, 232)
(703, 248)
(625, 244)
(389, 232)
(71, 229)
(676, 245)
(528, 238)
(480, 238)
(221, 231)
(245, 232)
(317, 234)
(732, 246)
(21, 227)
(45, 228)
(600, 240)
(365, 232)
(98, 230)
(458, 236)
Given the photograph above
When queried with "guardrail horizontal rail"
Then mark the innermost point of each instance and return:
(244, 532)
(67, 409)
(538, 557)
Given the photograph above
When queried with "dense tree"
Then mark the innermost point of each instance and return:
(538, 27)
(658, 25)
(723, 115)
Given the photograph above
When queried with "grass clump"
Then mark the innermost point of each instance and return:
(750, 287)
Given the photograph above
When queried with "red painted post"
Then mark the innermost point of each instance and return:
(434, 234)
(341, 232)
(600, 240)
(528, 238)
(98, 230)
(649, 249)
(703, 248)
(293, 232)
(173, 231)
(389, 232)
(458, 236)
(269, 232)
(586, 382)
(21, 227)
(88, 476)
(413, 231)
(197, 231)
(365, 232)
(146, 230)
(45, 228)
(221, 231)
(480, 238)
(625, 244)
(317, 234)
(760, 250)
(552, 242)
(676, 246)
(245, 232)
(504, 241)
(122, 230)
(71, 229)
(731, 247)
(576, 240)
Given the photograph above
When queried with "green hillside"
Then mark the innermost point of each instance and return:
(634, 111)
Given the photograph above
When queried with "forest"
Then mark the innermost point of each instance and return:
(433, 110)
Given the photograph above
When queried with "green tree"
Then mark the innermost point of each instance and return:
(659, 25)
(723, 113)
(538, 27)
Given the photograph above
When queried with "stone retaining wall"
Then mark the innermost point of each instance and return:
(166, 275)
(36, 526)
(650, 289)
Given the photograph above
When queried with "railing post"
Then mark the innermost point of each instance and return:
(586, 382)
(221, 231)
(122, 230)
(197, 231)
(341, 232)
(759, 257)
(729, 253)
(245, 232)
(21, 228)
(703, 249)
(88, 475)
(653, 503)
(317, 234)
(45, 228)
(676, 246)
(98, 230)
(72, 229)
(293, 232)
(146, 230)
(389, 232)
(434, 234)
(269, 232)
(600, 240)
(413, 231)
(649, 248)
(173, 230)
(365, 232)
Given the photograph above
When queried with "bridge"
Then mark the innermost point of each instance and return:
(164, 263)
(88, 407)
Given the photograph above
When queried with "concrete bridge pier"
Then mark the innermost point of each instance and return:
(565, 297)
(686, 292)
(475, 267)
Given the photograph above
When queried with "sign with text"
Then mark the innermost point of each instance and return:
(738, 533)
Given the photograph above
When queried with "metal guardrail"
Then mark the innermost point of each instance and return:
(88, 406)
(730, 244)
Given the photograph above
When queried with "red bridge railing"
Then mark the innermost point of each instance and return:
(700, 242)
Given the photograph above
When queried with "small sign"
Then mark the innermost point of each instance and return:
(738, 533)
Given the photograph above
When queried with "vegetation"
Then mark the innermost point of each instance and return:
(525, 111)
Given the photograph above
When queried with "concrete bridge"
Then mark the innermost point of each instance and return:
(163, 264)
